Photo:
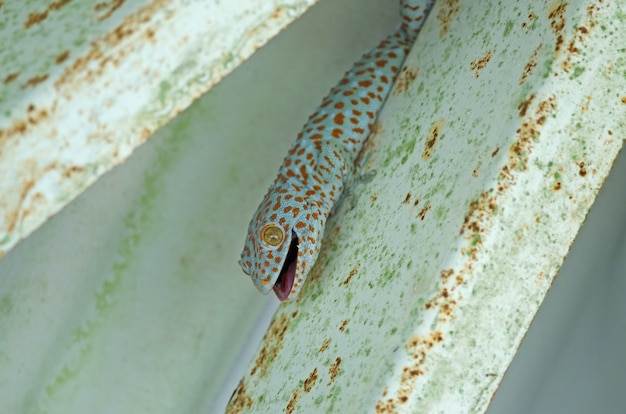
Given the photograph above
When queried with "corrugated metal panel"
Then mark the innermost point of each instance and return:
(83, 83)
(489, 155)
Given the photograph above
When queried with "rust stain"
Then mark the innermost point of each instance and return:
(407, 198)
(309, 383)
(406, 77)
(20, 126)
(623, 99)
(447, 12)
(522, 108)
(272, 344)
(62, 57)
(325, 345)
(556, 15)
(344, 323)
(433, 136)
(35, 80)
(83, 67)
(495, 152)
(579, 37)
(557, 186)
(527, 133)
(416, 202)
(112, 6)
(480, 63)
(418, 348)
(1, 5)
(374, 197)
(477, 168)
(38, 17)
(531, 17)
(11, 77)
(353, 272)
(277, 13)
(333, 371)
(582, 169)
(240, 400)
(423, 211)
(68, 172)
(291, 405)
(530, 65)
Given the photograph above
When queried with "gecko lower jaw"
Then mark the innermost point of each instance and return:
(287, 275)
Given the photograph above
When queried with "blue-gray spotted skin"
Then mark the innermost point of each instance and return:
(285, 234)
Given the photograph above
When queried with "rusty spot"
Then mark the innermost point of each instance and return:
(527, 133)
(310, 381)
(582, 169)
(37, 17)
(495, 152)
(431, 141)
(531, 17)
(11, 77)
(276, 14)
(291, 405)
(94, 62)
(374, 197)
(325, 345)
(34, 81)
(556, 16)
(20, 126)
(272, 344)
(448, 10)
(557, 186)
(476, 169)
(522, 108)
(416, 202)
(1, 5)
(407, 198)
(623, 99)
(530, 65)
(62, 57)
(333, 370)
(422, 212)
(405, 78)
(68, 172)
(112, 7)
(353, 272)
(150, 34)
(343, 325)
(239, 401)
(417, 348)
(480, 63)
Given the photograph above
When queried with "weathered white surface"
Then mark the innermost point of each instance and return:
(489, 155)
(572, 357)
(84, 83)
(130, 299)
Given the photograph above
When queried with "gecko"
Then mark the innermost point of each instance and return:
(284, 236)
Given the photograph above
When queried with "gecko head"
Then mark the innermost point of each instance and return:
(282, 244)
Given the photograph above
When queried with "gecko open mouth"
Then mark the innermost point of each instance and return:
(287, 274)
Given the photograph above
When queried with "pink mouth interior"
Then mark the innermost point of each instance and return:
(282, 287)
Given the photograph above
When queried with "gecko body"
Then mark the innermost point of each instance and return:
(285, 233)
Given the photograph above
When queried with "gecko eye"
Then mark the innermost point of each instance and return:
(272, 235)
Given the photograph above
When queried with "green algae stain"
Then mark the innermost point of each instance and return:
(508, 27)
(138, 223)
